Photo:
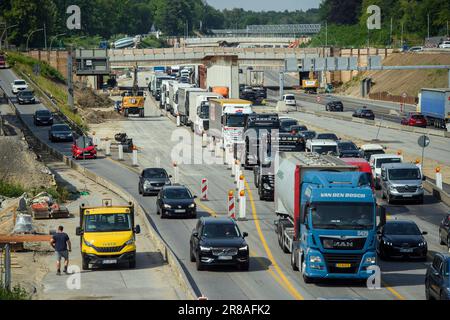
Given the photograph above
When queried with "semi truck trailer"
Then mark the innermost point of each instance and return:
(327, 216)
(434, 104)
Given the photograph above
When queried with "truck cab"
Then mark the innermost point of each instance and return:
(107, 235)
(199, 113)
(322, 146)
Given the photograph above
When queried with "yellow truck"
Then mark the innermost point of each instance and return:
(310, 85)
(133, 100)
(107, 235)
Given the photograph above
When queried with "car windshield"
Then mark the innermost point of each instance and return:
(26, 94)
(347, 146)
(418, 117)
(43, 113)
(61, 128)
(342, 215)
(84, 142)
(235, 121)
(155, 173)
(107, 222)
(290, 98)
(405, 174)
(204, 111)
(299, 128)
(216, 230)
(309, 135)
(369, 112)
(324, 149)
(20, 83)
(380, 162)
(327, 136)
(177, 194)
(401, 229)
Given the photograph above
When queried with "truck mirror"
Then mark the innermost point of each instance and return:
(137, 229)
(424, 178)
(382, 214)
(78, 231)
(244, 234)
(195, 234)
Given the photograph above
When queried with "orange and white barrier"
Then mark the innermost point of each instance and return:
(204, 189)
(120, 152)
(135, 157)
(439, 178)
(176, 173)
(242, 205)
(231, 205)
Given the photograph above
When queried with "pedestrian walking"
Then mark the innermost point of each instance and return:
(61, 243)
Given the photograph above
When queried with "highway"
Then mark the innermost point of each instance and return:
(270, 276)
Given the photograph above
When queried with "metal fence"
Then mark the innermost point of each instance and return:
(5, 267)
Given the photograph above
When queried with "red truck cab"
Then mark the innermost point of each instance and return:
(363, 166)
(84, 148)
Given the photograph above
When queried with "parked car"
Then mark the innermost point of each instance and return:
(444, 231)
(19, 85)
(327, 136)
(347, 149)
(289, 99)
(401, 239)
(437, 282)
(83, 148)
(401, 181)
(335, 106)
(26, 97)
(445, 45)
(176, 201)
(218, 241)
(364, 113)
(152, 180)
(43, 118)
(415, 120)
(60, 132)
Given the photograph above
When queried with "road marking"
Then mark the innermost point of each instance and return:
(393, 291)
(290, 287)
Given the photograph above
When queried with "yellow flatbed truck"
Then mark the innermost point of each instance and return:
(107, 235)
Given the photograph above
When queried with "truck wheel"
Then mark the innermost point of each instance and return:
(293, 263)
(85, 263)
(132, 264)
(280, 233)
(192, 256)
(285, 250)
(441, 241)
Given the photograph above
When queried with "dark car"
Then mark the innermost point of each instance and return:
(152, 180)
(176, 201)
(43, 118)
(327, 136)
(218, 241)
(26, 97)
(437, 282)
(60, 132)
(308, 135)
(334, 106)
(299, 129)
(444, 231)
(364, 113)
(415, 120)
(401, 239)
(286, 124)
(347, 149)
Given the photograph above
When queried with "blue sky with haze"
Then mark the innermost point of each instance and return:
(265, 5)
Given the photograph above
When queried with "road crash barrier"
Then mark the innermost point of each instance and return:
(204, 190)
(191, 291)
(439, 178)
(231, 205)
(437, 192)
(242, 206)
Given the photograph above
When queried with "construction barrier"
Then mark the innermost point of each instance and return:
(135, 157)
(108, 148)
(176, 173)
(204, 189)
(178, 121)
(241, 183)
(204, 140)
(242, 206)
(120, 152)
(231, 205)
(439, 179)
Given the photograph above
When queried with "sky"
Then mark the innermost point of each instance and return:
(265, 5)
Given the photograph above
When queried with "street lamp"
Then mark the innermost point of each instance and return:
(3, 33)
(54, 37)
(30, 34)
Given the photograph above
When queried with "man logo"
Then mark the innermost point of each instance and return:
(74, 20)
(374, 20)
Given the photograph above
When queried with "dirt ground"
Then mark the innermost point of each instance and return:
(396, 82)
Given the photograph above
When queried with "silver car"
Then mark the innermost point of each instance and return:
(401, 181)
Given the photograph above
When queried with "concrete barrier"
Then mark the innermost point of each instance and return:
(169, 256)
(437, 193)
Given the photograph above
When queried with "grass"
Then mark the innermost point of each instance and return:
(49, 80)
(10, 190)
(16, 293)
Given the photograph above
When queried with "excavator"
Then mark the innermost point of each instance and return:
(311, 85)
(133, 98)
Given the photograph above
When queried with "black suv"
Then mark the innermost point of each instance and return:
(347, 149)
(364, 113)
(334, 106)
(218, 241)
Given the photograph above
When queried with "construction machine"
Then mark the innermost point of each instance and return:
(312, 84)
(133, 98)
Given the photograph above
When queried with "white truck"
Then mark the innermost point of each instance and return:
(322, 146)
(164, 94)
(199, 111)
(173, 95)
(185, 99)
(227, 120)
(19, 85)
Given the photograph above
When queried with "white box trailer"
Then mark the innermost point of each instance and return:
(199, 110)
(184, 101)
(173, 95)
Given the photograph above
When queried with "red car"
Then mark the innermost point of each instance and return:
(84, 148)
(363, 166)
(415, 120)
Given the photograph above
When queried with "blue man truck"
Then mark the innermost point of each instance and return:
(434, 104)
(327, 216)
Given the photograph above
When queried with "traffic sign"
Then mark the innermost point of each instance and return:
(424, 141)
(318, 99)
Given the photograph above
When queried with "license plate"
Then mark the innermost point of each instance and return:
(406, 250)
(109, 261)
(87, 153)
(407, 196)
(343, 265)
(225, 257)
(180, 211)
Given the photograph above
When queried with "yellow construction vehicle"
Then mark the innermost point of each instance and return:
(133, 100)
(311, 85)
(108, 235)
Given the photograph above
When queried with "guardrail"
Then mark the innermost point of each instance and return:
(5, 267)
(168, 254)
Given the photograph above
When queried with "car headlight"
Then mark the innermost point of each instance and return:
(423, 244)
(147, 184)
(315, 259)
(192, 205)
(167, 206)
(129, 242)
(420, 188)
(87, 243)
(205, 249)
(168, 183)
(391, 188)
(244, 248)
(371, 260)
(387, 243)
(266, 186)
